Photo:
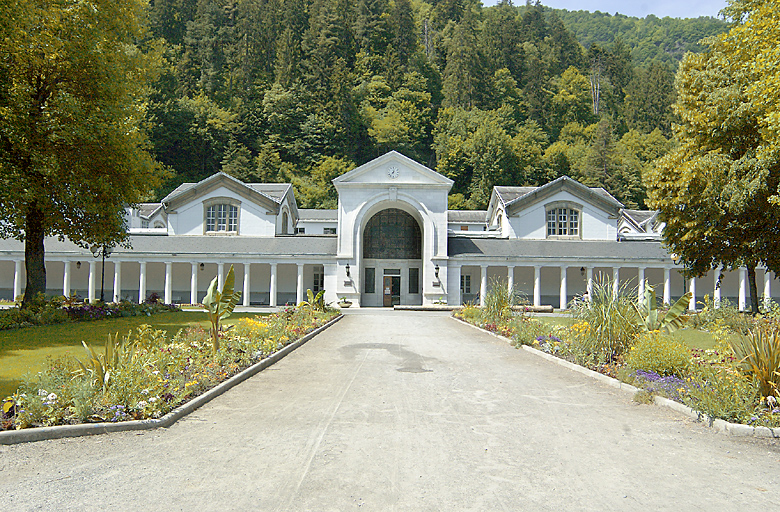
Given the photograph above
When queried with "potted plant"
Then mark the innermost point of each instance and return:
(344, 302)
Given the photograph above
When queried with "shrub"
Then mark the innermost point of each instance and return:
(612, 323)
(498, 303)
(470, 313)
(655, 352)
(527, 330)
(758, 355)
(721, 392)
(727, 314)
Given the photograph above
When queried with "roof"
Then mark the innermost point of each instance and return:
(146, 210)
(275, 191)
(316, 214)
(556, 250)
(467, 216)
(517, 197)
(640, 217)
(203, 246)
(509, 194)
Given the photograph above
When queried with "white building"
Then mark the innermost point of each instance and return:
(391, 241)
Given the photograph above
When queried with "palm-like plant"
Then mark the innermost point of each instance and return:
(220, 304)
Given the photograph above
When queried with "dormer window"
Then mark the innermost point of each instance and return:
(221, 217)
(563, 221)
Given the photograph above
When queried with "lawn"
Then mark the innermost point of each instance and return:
(27, 350)
(693, 338)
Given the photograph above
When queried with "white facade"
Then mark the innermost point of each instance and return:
(391, 241)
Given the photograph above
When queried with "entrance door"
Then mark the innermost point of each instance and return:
(391, 291)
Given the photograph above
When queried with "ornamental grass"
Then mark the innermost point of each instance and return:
(148, 372)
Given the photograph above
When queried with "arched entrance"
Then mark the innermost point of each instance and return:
(392, 259)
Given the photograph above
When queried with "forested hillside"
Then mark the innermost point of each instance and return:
(305, 90)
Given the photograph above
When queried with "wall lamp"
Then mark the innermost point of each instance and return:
(436, 271)
(348, 270)
(78, 264)
(582, 271)
(202, 266)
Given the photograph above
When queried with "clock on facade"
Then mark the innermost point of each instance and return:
(392, 172)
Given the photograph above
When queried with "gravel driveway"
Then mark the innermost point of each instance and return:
(393, 410)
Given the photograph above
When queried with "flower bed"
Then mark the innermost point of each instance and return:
(57, 310)
(148, 373)
(736, 381)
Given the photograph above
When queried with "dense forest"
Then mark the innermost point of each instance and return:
(305, 90)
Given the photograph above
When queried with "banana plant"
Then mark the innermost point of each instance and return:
(219, 304)
(116, 354)
(315, 303)
(651, 320)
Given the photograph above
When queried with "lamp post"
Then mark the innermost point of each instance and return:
(102, 251)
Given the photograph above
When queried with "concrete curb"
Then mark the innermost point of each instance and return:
(732, 429)
(88, 429)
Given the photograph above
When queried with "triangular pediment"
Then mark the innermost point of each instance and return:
(392, 168)
(269, 199)
(596, 197)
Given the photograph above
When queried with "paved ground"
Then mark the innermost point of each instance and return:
(404, 411)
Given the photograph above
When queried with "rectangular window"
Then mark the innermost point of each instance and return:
(370, 280)
(300, 231)
(392, 271)
(464, 228)
(465, 283)
(574, 222)
(144, 223)
(329, 231)
(562, 223)
(551, 222)
(414, 280)
(319, 279)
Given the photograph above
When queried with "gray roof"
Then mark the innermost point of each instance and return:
(639, 216)
(147, 209)
(177, 246)
(507, 194)
(273, 190)
(463, 247)
(467, 216)
(317, 214)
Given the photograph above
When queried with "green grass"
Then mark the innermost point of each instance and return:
(27, 350)
(693, 338)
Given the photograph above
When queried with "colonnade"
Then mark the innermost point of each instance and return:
(115, 276)
(455, 271)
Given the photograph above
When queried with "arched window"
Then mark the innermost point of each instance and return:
(563, 220)
(392, 234)
(285, 223)
(221, 216)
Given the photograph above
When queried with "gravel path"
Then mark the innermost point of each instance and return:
(404, 411)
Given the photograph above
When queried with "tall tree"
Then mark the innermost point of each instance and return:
(718, 190)
(72, 152)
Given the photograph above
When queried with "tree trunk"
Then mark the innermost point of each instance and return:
(34, 260)
(751, 271)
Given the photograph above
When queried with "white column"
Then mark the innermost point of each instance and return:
(247, 282)
(537, 285)
(453, 292)
(117, 281)
(272, 290)
(66, 280)
(91, 287)
(564, 293)
(483, 285)
(641, 279)
(510, 279)
(692, 289)
(168, 282)
(667, 286)
(589, 282)
(142, 283)
(220, 275)
(17, 278)
(767, 288)
(615, 281)
(716, 289)
(742, 288)
(299, 287)
(194, 283)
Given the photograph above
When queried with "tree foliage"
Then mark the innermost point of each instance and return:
(718, 190)
(73, 79)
